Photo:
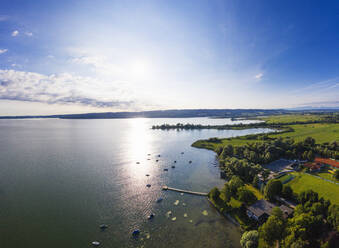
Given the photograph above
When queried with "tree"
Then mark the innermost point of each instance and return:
(310, 155)
(333, 216)
(250, 239)
(214, 194)
(246, 196)
(308, 195)
(276, 211)
(287, 192)
(255, 182)
(273, 189)
(336, 174)
(235, 183)
(265, 173)
(226, 192)
(271, 230)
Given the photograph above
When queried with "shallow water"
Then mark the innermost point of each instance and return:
(61, 179)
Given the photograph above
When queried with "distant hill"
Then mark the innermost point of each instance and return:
(177, 113)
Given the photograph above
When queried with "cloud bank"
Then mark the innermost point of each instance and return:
(62, 89)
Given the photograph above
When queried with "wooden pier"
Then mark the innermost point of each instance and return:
(184, 191)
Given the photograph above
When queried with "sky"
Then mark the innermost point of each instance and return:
(101, 56)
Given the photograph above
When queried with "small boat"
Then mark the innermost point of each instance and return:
(103, 226)
(165, 169)
(95, 243)
(159, 200)
(175, 161)
(151, 216)
(148, 159)
(138, 163)
(159, 156)
(136, 232)
(147, 175)
(190, 162)
(148, 185)
(149, 154)
(173, 166)
(182, 152)
(156, 160)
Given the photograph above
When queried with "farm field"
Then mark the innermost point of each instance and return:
(303, 181)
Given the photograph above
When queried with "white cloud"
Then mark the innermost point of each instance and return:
(3, 51)
(259, 76)
(63, 89)
(29, 33)
(15, 33)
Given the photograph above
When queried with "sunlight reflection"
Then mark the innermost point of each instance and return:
(139, 142)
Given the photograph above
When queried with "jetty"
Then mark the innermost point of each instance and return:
(184, 191)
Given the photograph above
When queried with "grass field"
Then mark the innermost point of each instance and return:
(290, 118)
(327, 176)
(303, 181)
(321, 132)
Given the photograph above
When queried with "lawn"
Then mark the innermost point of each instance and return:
(303, 181)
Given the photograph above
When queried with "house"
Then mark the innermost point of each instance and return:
(262, 209)
(327, 161)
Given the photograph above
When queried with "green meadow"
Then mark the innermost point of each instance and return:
(321, 132)
(304, 181)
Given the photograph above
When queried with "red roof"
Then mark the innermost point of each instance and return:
(327, 161)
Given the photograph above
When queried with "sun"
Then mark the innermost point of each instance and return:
(140, 69)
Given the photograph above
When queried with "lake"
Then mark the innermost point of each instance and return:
(61, 179)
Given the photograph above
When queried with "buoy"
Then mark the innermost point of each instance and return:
(103, 227)
(151, 216)
(136, 232)
(96, 243)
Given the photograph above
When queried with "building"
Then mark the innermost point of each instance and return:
(327, 161)
(262, 209)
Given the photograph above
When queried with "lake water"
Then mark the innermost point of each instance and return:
(61, 179)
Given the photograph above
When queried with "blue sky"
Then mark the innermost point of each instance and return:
(85, 56)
